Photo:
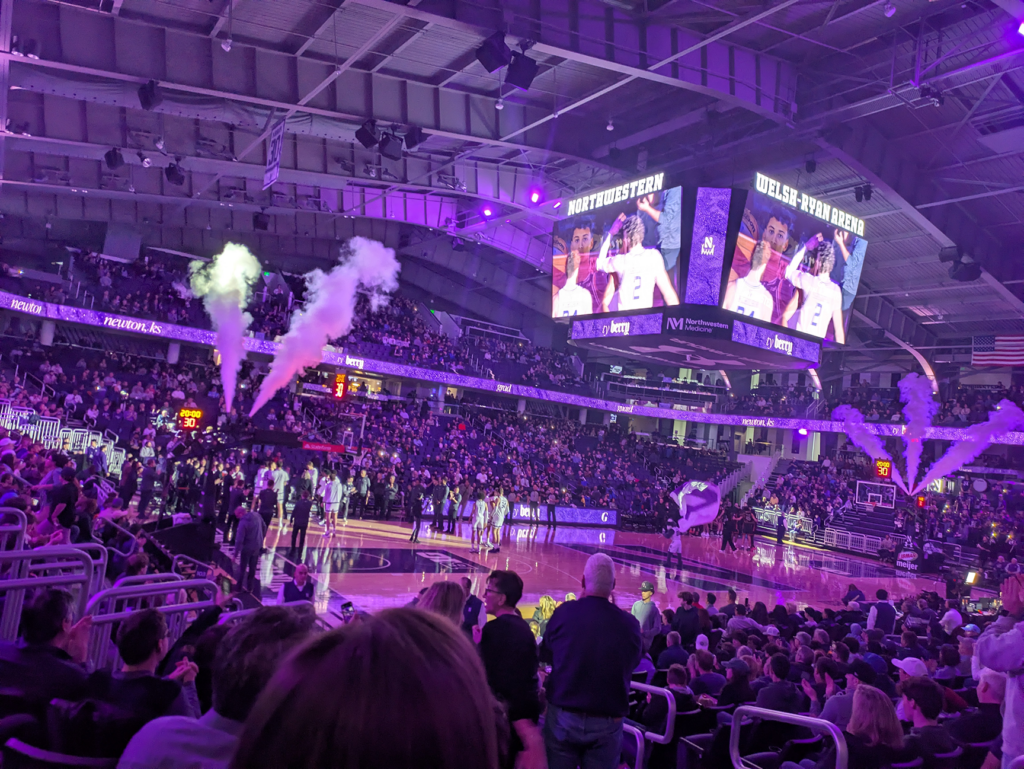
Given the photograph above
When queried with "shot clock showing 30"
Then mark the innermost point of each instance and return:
(883, 469)
(190, 419)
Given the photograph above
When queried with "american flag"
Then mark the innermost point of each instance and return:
(998, 351)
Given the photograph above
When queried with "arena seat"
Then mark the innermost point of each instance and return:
(20, 755)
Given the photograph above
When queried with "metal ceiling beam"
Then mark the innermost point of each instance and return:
(224, 17)
(465, 118)
(867, 151)
(6, 19)
(765, 85)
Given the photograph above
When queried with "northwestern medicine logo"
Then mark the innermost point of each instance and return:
(354, 362)
(707, 248)
(31, 307)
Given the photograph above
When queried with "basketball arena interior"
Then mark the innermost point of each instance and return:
(497, 384)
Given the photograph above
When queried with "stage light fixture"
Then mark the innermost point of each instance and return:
(802, 431)
(889, 10)
(174, 175)
(534, 197)
(493, 54)
(499, 105)
(964, 272)
(113, 158)
(949, 254)
(858, 194)
(414, 137)
(150, 96)
(867, 192)
(488, 212)
(811, 166)
(1020, 29)
(226, 44)
(610, 126)
(367, 134)
(558, 205)
(521, 71)
(390, 146)
(146, 162)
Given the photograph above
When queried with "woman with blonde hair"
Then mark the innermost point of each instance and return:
(445, 599)
(874, 736)
(545, 608)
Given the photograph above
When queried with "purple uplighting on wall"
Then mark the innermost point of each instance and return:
(353, 360)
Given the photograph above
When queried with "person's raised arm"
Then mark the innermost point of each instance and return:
(664, 284)
(837, 319)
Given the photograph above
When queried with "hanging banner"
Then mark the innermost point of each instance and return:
(274, 145)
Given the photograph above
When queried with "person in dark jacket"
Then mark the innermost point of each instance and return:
(509, 654)
(301, 587)
(686, 620)
(146, 485)
(853, 593)
(737, 689)
(300, 519)
(267, 505)
(454, 503)
(390, 496)
(656, 713)
(780, 694)
(674, 653)
(136, 689)
(593, 648)
(46, 662)
(362, 493)
(248, 543)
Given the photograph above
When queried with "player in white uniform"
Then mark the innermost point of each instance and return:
(481, 521)
(747, 295)
(823, 299)
(637, 269)
(498, 520)
(572, 299)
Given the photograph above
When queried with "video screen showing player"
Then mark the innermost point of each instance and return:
(794, 270)
(620, 257)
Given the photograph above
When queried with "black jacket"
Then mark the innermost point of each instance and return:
(782, 696)
(686, 622)
(300, 515)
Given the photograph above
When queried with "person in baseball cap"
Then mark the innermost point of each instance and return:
(911, 667)
(738, 666)
(839, 707)
(647, 614)
(862, 671)
(972, 631)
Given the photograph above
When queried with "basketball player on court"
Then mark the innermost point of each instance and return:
(572, 299)
(637, 269)
(823, 299)
(746, 295)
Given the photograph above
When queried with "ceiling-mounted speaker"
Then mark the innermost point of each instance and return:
(261, 222)
(391, 147)
(149, 95)
(113, 159)
(493, 54)
(949, 254)
(965, 272)
(367, 134)
(414, 137)
(521, 71)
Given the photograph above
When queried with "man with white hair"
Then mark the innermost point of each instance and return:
(593, 646)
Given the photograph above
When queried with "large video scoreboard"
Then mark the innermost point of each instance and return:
(709, 274)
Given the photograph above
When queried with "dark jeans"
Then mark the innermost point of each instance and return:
(248, 562)
(416, 524)
(576, 740)
(145, 497)
(300, 533)
(535, 511)
(727, 540)
(453, 511)
(551, 514)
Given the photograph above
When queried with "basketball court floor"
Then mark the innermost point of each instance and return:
(373, 565)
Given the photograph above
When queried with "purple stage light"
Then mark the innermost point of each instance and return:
(1020, 29)
(534, 197)
(802, 431)
(558, 204)
(487, 212)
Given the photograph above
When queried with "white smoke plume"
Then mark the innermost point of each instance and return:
(330, 304)
(857, 431)
(225, 285)
(919, 409)
(1004, 419)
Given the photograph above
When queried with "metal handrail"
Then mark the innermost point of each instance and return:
(816, 725)
(639, 737)
(670, 719)
(15, 530)
(98, 553)
(147, 579)
(180, 559)
(19, 581)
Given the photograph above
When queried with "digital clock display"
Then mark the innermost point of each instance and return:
(189, 419)
(883, 468)
(338, 390)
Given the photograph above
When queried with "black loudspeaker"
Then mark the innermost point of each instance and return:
(260, 222)
(964, 272)
(174, 175)
(113, 159)
(413, 137)
(949, 254)
(521, 71)
(391, 147)
(367, 134)
(149, 95)
(494, 54)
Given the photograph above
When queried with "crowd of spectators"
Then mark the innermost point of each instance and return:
(461, 679)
